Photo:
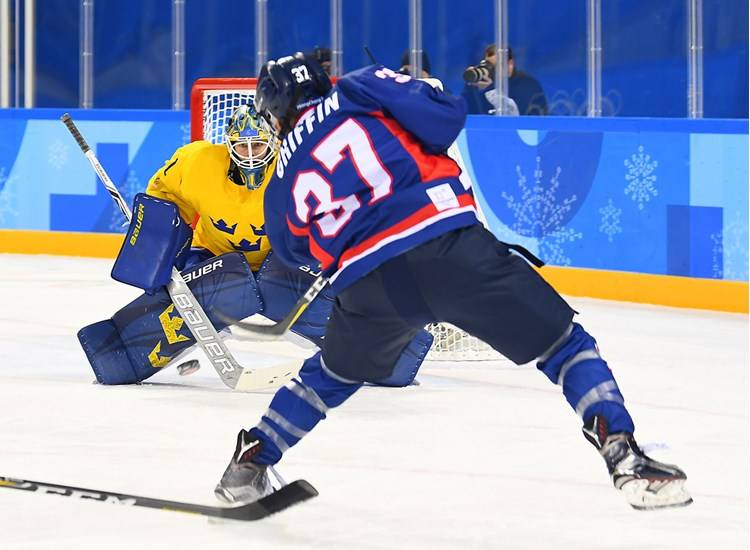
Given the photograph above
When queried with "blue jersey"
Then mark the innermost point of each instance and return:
(363, 176)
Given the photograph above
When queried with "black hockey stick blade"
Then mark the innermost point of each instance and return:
(289, 495)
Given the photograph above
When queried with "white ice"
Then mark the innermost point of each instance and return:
(478, 456)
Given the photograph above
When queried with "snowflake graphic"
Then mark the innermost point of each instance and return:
(717, 250)
(610, 225)
(132, 186)
(57, 154)
(185, 131)
(7, 198)
(8, 209)
(3, 178)
(734, 250)
(538, 213)
(641, 177)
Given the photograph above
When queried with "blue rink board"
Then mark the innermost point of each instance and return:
(660, 196)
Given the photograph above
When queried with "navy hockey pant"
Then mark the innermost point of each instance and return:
(467, 278)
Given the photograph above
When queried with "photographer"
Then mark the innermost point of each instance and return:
(526, 94)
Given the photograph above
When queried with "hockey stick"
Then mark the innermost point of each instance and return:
(229, 370)
(289, 495)
(277, 330)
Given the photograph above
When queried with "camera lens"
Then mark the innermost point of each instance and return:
(482, 71)
(471, 75)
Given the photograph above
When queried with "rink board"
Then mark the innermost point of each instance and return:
(646, 210)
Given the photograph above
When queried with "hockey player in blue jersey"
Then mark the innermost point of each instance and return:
(363, 189)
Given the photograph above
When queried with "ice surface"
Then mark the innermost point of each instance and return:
(478, 456)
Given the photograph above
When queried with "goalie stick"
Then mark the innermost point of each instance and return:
(289, 495)
(227, 367)
(278, 330)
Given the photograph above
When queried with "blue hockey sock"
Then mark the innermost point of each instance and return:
(586, 380)
(298, 407)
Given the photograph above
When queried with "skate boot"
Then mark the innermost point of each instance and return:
(645, 483)
(243, 480)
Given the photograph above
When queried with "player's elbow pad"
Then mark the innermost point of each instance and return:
(435, 121)
(448, 118)
(157, 240)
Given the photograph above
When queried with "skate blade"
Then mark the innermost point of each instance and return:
(241, 497)
(644, 494)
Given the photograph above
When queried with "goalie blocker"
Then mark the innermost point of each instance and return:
(146, 335)
(157, 239)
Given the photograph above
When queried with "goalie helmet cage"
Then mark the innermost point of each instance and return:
(212, 101)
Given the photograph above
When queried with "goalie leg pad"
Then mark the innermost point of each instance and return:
(107, 354)
(409, 361)
(196, 256)
(368, 337)
(281, 287)
(151, 330)
(157, 239)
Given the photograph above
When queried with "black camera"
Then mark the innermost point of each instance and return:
(484, 70)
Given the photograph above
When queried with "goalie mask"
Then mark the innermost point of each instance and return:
(251, 147)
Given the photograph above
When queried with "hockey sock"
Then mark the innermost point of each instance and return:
(586, 380)
(298, 407)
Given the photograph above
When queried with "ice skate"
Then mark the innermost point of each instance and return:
(646, 483)
(243, 480)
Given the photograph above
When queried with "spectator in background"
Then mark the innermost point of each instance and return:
(426, 69)
(524, 90)
(406, 67)
(323, 57)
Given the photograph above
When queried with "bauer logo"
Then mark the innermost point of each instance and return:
(138, 225)
(309, 270)
(204, 333)
(200, 272)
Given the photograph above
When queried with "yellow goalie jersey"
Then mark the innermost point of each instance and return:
(227, 217)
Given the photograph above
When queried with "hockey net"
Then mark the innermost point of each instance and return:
(212, 101)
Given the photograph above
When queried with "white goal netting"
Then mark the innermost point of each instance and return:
(218, 106)
(212, 104)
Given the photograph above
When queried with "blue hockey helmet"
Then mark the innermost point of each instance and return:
(251, 146)
(288, 86)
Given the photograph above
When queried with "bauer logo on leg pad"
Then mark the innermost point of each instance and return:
(208, 268)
